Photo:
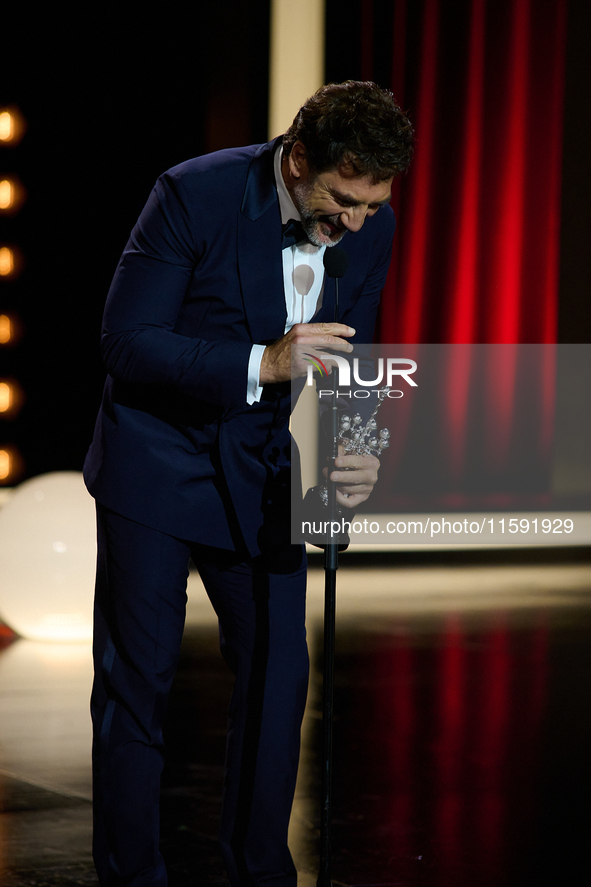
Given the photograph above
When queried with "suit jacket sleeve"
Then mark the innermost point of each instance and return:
(140, 344)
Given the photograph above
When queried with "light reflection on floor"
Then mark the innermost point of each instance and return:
(44, 719)
(462, 695)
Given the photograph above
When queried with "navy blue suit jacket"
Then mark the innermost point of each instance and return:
(176, 447)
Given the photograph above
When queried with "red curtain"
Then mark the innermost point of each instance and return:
(454, 733)
(476, 254)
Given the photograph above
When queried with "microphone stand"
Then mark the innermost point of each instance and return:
(331, 556)
(367, 441)
(361, 439)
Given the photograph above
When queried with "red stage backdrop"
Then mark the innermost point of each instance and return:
(476, 254)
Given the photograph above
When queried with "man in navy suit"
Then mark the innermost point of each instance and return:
(191, 456)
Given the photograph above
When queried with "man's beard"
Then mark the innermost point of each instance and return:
(311, 223)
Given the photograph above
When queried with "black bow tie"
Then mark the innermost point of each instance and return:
(292, 232)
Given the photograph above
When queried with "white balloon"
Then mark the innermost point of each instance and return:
(48, 558)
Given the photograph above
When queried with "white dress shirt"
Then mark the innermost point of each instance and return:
(303, 280)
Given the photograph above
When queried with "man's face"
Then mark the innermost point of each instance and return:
(335, 201)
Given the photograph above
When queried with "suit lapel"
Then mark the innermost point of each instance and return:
(259, 250)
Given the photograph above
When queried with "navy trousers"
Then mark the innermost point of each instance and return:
(139, 619)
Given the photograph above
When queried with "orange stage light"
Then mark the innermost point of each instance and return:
(6, 261)
(11, 398)
(11, 465)
(11, 261)
(12, 195)
(12, 126)
(6, 329)
(11, 330)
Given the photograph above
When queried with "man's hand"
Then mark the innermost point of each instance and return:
(355, 484)
(277, 365)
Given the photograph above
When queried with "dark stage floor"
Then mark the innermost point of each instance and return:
(462, 745)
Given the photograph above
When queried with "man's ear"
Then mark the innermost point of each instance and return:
(298, 160)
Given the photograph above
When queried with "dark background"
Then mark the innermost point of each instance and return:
(113, 96)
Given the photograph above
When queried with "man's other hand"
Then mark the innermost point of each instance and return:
(279, 364)
(355, 477)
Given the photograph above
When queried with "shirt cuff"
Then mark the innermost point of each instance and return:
(254, 390)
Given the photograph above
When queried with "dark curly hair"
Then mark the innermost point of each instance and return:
(356, 124)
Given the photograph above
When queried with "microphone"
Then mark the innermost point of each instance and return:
(335, 261)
